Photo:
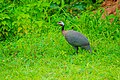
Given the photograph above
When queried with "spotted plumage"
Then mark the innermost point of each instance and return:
(76, 39)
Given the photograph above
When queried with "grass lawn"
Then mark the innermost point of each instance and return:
(43, 53)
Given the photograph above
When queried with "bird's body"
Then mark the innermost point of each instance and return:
(75, 39)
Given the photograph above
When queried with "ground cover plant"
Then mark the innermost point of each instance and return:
(32, 45)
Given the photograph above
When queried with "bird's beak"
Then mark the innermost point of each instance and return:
(59, 23)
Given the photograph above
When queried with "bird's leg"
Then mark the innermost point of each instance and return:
(76, 49)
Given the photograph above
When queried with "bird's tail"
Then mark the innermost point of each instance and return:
(88, 48)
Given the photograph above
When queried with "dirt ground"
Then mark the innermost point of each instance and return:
(110, 7)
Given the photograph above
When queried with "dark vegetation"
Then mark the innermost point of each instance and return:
(32, 46)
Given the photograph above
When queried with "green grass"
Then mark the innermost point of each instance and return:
(43, 53)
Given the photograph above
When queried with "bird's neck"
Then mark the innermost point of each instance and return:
(62, 27)
(63, 31)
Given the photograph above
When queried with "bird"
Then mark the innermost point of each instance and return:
(75, 38)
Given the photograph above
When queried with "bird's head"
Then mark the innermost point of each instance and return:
(61, 23)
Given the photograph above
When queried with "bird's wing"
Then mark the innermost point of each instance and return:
(76, 38)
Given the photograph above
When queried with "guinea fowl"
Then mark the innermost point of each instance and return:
(75, 38)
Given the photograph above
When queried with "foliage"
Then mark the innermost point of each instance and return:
(18, 20)
(18, 16)
(39, 51)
